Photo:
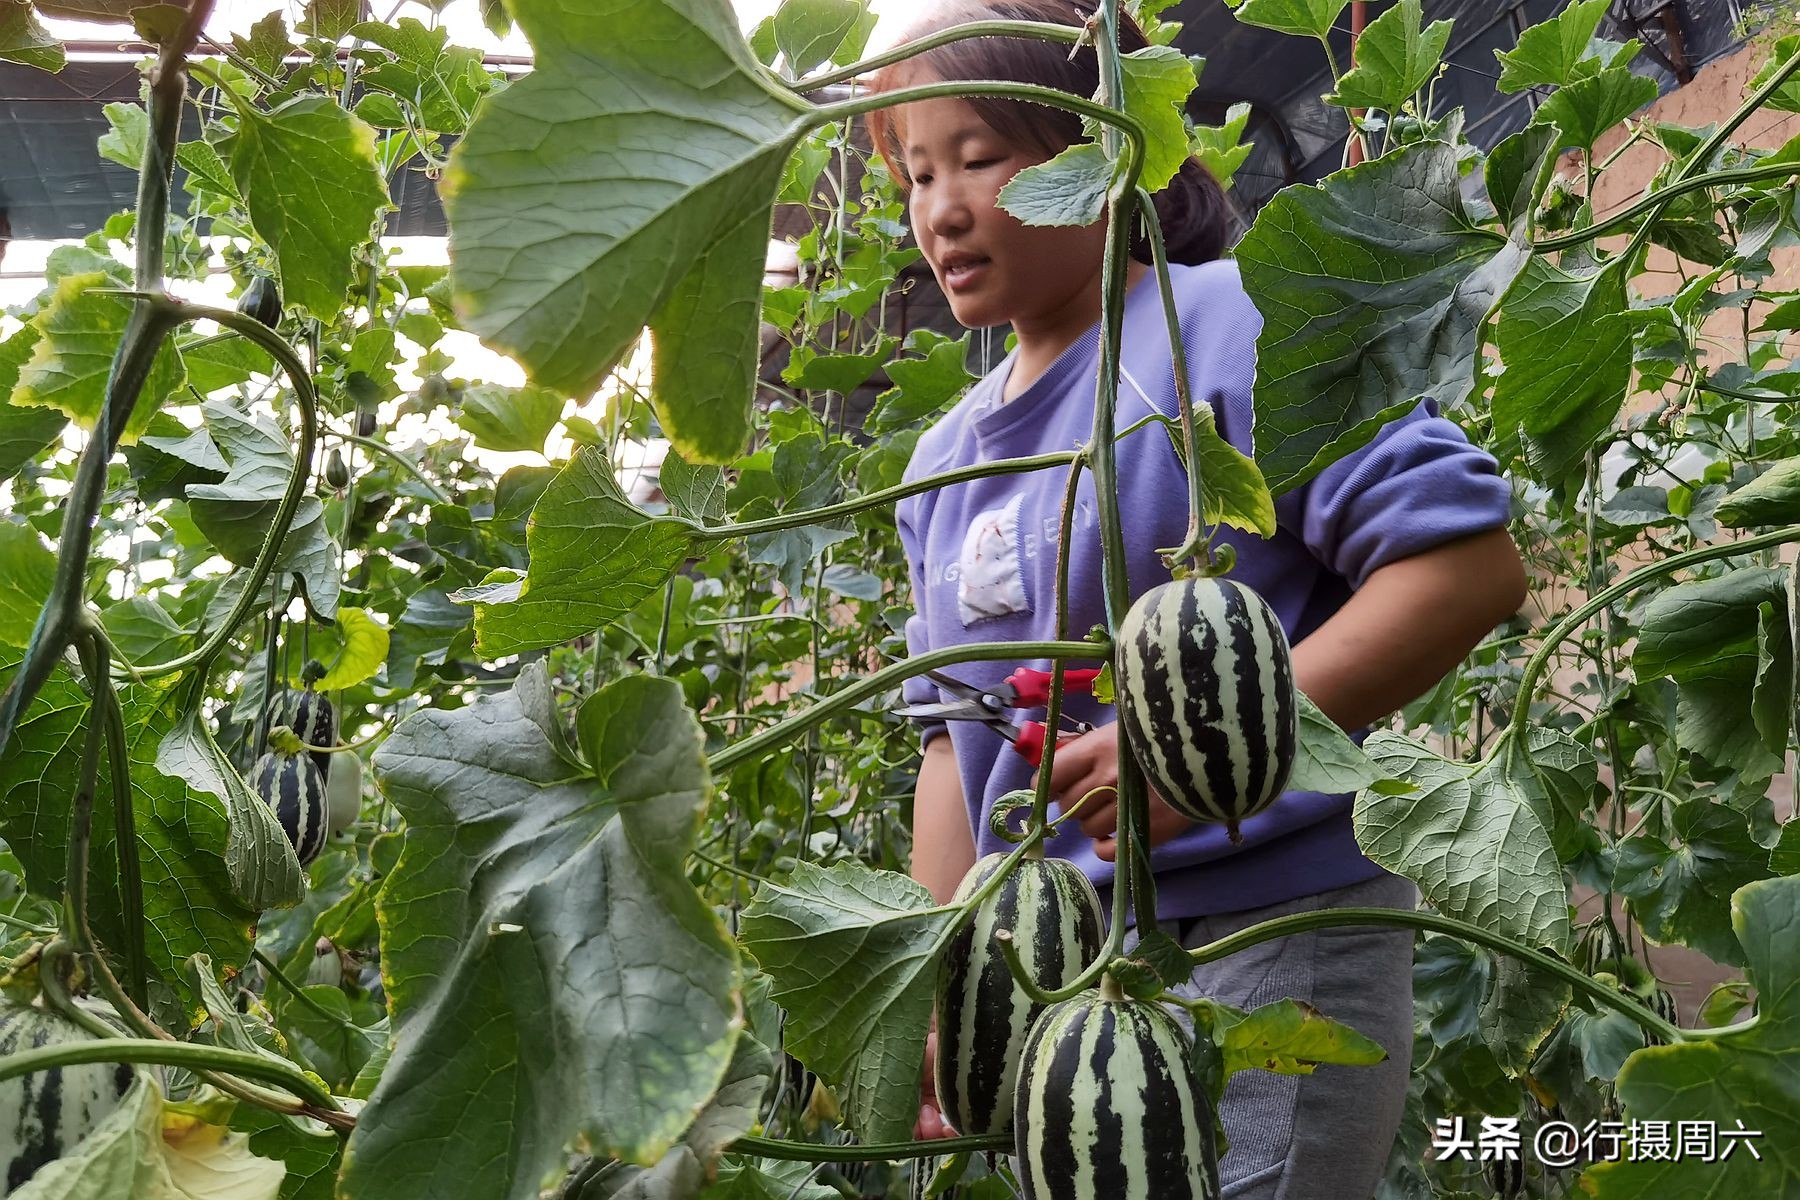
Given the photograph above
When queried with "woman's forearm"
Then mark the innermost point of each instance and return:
(943, 849)
(1409, 624)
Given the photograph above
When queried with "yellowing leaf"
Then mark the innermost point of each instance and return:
(363, 648)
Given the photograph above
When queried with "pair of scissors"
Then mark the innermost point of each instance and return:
(1024, 688)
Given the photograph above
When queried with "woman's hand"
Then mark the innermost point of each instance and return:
(931, 1124)
(1092, 761)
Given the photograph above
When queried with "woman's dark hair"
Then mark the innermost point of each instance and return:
(1196, 217)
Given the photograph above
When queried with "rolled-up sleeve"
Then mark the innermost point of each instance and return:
(1418, 484)
(917, 689)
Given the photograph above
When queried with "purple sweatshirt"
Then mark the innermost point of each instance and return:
(983, 560)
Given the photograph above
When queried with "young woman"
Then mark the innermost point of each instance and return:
(1387, 568)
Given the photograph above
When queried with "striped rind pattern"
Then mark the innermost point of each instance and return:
(316, 724)
(1108, 1106)
(290, 784)
(1206, 696)
(45, 1113)
(982, 1016)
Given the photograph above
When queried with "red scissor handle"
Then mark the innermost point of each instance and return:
(1032, 687)
(1028, 740)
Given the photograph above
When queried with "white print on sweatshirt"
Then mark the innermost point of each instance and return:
(990, 583)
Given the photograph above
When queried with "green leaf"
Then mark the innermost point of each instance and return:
(1395, 57)
(1772, 498)
(1785, 98)
(507, 418)
(1157, 83)
(1372, 286)
(1471, 840)
(1548, 55)
(810, 31)
(594, 557)
(25, 433)
(311, 1162)
(545, 954)
(561, 258)
(766, 1179)
(142, 631)
(842, 373)
(129, 130)
(1571, 339)
(308, 174)
(1586, 109)
(1232, 489)
(922, 386)
(1326, 760)
(361, 647)
(236, 513)
(1303, 18)
(1221, 149)
(1288, 1037)
(1772, 698)
(268, 44)
(854, 956)
(1069, 189)
(1517, 172)
(1678, 892)
(79, 334)
(1555, 775)
(438, 81)
(337, 1049)
(24, 40)
(259, 859)
(206, 171)
(697, 493)
(330, 19)
(215, 366)
(27, 575)
(1739, 1075)
(189, 905)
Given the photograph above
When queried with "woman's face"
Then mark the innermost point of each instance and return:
(993, 269)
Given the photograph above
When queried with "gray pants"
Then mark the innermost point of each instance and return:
(1324, 1136)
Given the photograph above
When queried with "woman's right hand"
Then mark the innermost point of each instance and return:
(931, 1124)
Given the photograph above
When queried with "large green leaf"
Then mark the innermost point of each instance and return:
(1678, 892)
(1395, 57)
(572, 226)
(810, 31)
(24, 40)
(440, 81)
(1586, 109)
(1569, 338)
(1069, 189)
(259, 859)
(1550, 54)
(1772, 498)
(1157, 82)
(1744, 1074)
(79, 335)
(308, 173)
(1372, 286)
(1232, 489)
(27, 573)
(24, 432)
(1517, 172)
(1304, 18)
(1470, 837)
(854, 954)
(236, 513)
(508, 418)
(594, 556)
(189, 903)
(544, 954)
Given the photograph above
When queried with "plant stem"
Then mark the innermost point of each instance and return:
(107, 711)
(190, 1055)
(1002, 89)
(758, 744)
(1046, 31)
(298, 992)
(1657, 199)
(1539, 660)
(1132, 864)
(1194, 544)
(1267, 931)
(900, 491)
(301, 380)
(1040, 803)
(763, 1147)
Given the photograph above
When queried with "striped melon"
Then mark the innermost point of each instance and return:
(315, 723)
(982, 1016)
(1109, 1108)
(44, 1114)
(1206, 697)
(289, 783)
